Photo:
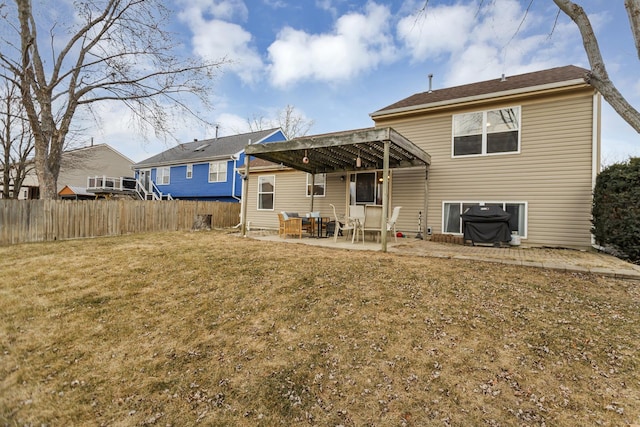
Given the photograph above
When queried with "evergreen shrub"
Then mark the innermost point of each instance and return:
(616, 209)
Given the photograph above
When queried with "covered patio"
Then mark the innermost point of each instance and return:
(371, 149)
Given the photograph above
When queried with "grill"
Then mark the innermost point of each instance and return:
(486, 224)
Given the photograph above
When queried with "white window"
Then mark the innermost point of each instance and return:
(452, 223)
(486, 132)
(266, 192)
(218, 171)
(163, 176)
(319, 185)
(189, 171)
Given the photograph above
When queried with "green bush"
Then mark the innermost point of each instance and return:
(616, 209)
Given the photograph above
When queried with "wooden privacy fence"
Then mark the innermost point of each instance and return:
(23, 221)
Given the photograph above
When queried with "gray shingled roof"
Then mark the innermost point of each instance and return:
(207, 149)
(510, 83)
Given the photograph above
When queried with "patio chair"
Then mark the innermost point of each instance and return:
(357, 215)
(373, 220)
(391, 223)
(307, 223)
(292, 226)
(342, 224)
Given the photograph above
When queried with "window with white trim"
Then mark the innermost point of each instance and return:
(189, 172)
(452, 223)
(319, 185)
(266, 192)
(163, 176)
(486, 132)
(218, 171)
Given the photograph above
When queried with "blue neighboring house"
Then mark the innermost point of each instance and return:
(202, 169)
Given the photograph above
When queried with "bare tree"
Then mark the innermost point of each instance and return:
(598, 75)
(292, 123)
(108, 50)
(16, 141)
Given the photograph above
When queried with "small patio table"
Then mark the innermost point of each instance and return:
(318, 221)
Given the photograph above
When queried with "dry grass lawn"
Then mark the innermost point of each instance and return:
(183, 328)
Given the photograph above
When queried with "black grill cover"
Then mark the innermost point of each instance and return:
(486, 224)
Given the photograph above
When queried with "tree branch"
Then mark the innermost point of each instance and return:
(633, 10)
(598, 77)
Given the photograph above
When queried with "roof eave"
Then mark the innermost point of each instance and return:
(492, 95)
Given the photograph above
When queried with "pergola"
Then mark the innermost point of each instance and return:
(356, 150)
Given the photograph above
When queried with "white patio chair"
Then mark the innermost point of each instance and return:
(391, 223)
(373, 220)
(342, 224)
(357, 215)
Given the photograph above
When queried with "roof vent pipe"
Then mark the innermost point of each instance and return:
(195, 139)
(217, 126)
(503, 79)
(430, 82)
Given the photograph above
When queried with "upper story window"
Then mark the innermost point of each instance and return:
(189, 171)
(163, 175)
(486, 132)
(319, 184)
(266, 192)
(218, 171)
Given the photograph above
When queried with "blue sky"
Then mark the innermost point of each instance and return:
(336, 61)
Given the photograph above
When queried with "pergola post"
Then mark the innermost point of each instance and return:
(245, 193)
(385, 195)
(313, 187)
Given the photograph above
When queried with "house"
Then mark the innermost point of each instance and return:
(528, 143)
(77, 165)
(203, 170)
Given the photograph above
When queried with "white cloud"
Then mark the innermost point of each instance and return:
(275, 4)
(215, 38)
(328, 6)
(482, 43)
(231, 124)
(218, 9)
(441, 29)
(358, 43)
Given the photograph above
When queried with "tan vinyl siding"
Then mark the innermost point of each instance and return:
(290, 196)
(408, 191)
(98, 160)
(552, 172)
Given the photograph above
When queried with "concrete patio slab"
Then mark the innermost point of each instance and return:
(555, 259)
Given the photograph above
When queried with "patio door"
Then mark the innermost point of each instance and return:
(365, 188)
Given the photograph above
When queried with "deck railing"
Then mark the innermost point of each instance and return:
(108, 183)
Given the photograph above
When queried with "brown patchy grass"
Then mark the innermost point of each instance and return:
(180, 328)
